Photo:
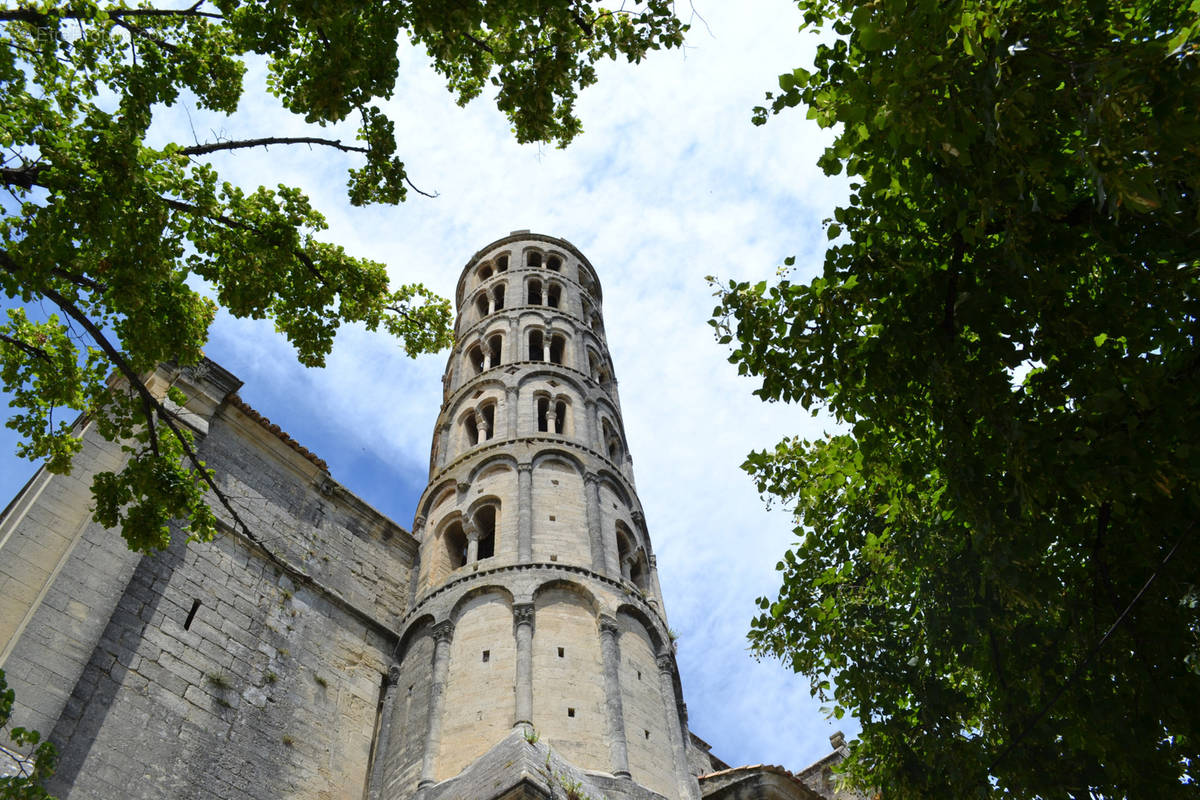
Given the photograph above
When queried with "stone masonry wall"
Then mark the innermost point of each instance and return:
(231, 669)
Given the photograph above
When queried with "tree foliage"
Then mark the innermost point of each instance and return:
(113, 229)
(22, 774)
(997, 561)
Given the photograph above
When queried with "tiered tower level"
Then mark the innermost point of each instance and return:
(537, 607)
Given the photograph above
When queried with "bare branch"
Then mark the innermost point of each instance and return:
(25, 177)
(413, 186)
(336, 144)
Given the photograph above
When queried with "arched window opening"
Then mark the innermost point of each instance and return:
(485, 522)
(560, 417)
(481, 305)
(554, 263)
(543, 414)
(485, 272)
(534, 259)
(471, 429)
(498, 297)
(535, 293)
(535, 346)
(612, 443)
(488, 413)
(476, 359)
(593, 365)
(456, 545)
(638, 572)
(585, 280)
(553, 295)
(557, 346)
(502, 263)
(625, 542)
(596, 325)
(495, 348)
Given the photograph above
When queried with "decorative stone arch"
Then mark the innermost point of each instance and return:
(557, 454)
(617, 484)
(568, 382)
(660, 641)
(494, 462)
(478, 591)
(574, 587)
(434, 494)
(421, 626)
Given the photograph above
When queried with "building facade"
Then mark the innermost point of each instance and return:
(514, 644)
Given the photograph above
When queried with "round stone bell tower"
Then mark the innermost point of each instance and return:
(537, 609)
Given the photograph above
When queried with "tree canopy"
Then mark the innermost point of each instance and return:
(124, 236)
(996, 567)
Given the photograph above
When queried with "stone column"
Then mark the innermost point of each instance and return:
(525, 513)
(589, 413)
(472, 533)
(547, 336)
(512, 394)
(481, 426)
(444, 450)
(688, 790)
(594, 522)
(514, 341)
(443, 632)
(387, 709)
(523, 632)
(618, 747)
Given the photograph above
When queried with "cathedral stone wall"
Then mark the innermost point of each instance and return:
(208, 669)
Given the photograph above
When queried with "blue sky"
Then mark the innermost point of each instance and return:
(669, 183)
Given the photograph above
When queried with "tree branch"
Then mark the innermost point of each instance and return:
(25, 347)
(336, 144)
(35, 17)
(25, 177)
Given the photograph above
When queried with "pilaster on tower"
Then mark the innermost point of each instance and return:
(537, 606)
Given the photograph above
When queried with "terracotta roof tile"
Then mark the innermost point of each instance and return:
(280, 434)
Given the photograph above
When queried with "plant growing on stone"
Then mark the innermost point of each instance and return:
(111, 226)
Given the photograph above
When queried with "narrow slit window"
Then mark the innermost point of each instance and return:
(187, 623)
(570, 712)
(646, 732)
(562, 652)
(487, 654)
(535, 346)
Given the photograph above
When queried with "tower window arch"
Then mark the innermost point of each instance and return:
(638, 573)
(558, 347)
(534, 259)
(536, 348)
(495, 348)
(471, 429)
(481, 304)
(485, 524)
(485, 272)
(502, 263)
(553, 295)
(560, 416)
(554, 263)
(454, 545)
(498, 297)
(612, 443)
(488, 414)
(534, 296)
(476, 358)
(542, 412)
